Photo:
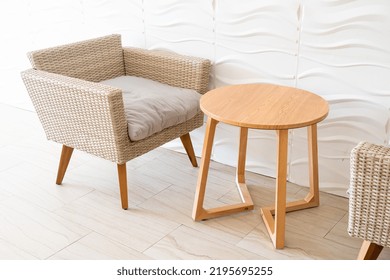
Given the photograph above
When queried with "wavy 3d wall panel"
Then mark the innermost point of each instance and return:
(344, 57)
(337, 49)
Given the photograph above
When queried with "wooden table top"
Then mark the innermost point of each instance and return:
(264, 106)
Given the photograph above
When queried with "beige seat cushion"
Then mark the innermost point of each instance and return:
(151, 106)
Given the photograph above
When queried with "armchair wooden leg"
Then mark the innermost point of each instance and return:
(369, 251)
(64, 161)
(122, 176)
(186, 140)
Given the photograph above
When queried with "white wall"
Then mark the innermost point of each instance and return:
(338, 49)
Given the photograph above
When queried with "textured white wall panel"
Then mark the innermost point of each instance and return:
(125, 17)
(344, 57)
(344, 45)
(349, 122)
(182, 26)
(255, 43)
(337, 49)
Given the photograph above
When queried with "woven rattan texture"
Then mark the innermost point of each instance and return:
(168, 68)
(92, 60)
(369, 202)
(78, 112)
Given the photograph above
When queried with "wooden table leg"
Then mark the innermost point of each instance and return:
(199, 213)
(276, 228)
(240, 176)
(312, 199)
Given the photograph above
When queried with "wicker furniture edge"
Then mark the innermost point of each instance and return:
(369, 202)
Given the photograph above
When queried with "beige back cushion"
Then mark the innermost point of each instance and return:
(92, 60)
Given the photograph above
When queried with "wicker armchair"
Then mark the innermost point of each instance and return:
(369, 202)
(80, 113)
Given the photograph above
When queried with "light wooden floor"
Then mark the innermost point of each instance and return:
(82, 219)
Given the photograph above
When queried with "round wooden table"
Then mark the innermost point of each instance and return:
(270, 107)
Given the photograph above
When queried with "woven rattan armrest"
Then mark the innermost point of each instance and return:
(84, 115)
(169, 68)
(369, 202)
